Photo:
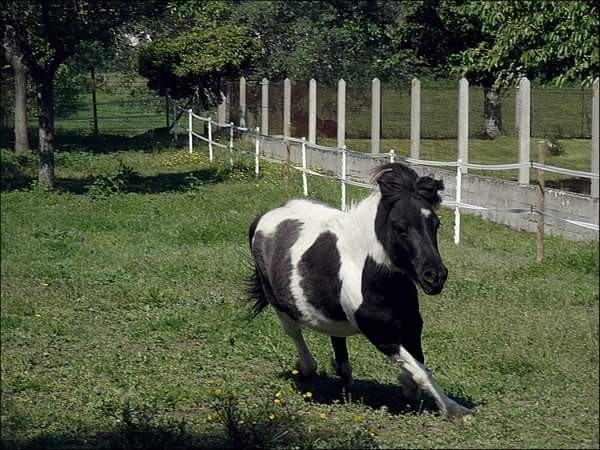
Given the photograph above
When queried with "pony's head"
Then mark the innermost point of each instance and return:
(406, 224)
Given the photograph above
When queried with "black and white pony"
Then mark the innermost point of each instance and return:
(345, 273)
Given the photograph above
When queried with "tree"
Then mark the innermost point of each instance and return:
(326, 40)
(195, 60)
(550, 41)
(493, 44)
(48, 32)
(438, 31)
(13, 56)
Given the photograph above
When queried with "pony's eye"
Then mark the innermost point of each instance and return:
(400, 228)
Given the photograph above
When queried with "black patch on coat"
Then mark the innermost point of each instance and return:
(274, 266)
(319, 268)
(389, 314)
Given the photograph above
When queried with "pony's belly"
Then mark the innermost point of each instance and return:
(330, 327)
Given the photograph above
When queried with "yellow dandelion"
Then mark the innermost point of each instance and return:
(277, 401)
(323, 415)
(210, 418)
(278, 394)
(45, 284)
(295, 372)
(307, 395)
(271, 416)
(218, 391)
(241, 422)
(357, 418)
(210, 381)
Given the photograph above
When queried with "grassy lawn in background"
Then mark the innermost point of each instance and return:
(123, 324)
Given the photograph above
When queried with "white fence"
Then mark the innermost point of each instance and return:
(523, 118)
(342, 153)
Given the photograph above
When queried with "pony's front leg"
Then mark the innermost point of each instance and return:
(424, 380)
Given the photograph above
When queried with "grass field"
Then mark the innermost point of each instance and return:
(123, 324)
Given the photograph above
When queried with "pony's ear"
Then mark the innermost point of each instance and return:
(428, 187)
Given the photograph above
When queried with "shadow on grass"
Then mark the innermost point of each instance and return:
(128, 183)
(69, 141)
(327, 390)
(159, 438)
(140, 184)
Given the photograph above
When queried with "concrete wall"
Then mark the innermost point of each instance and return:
(476, 190)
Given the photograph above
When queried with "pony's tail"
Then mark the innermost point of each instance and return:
(256, 292)
(254, 283)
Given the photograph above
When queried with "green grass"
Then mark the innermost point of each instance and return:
(123, 324)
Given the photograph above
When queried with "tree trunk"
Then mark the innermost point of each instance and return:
(94, 105)
(14, 57)
(46, 133)
(492, 112)
(21, 138)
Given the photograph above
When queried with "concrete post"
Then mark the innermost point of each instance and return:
(264, 107)
(287, 107)
(341, 114)
(415, 119)
(222, 109)
(517, 109)
(595, 148)
(524, 128)
(243, 102)
(375, 115)
(312, 111)
(463, 122)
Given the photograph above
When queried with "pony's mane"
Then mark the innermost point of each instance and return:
(397, 179)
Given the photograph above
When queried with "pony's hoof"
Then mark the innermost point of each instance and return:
(344, 371)
(455, 410)
(306, 368)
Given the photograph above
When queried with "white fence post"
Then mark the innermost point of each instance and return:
(375, 115)
(343, 178)
(463, 122)
(264, 108)
(304, 180)
(595, 147)
(341, 114)
(458, 200)
(243, 102)
(190, 129)
(312, 111)
(231, 144)
(210, 143)
(287, 107)
(257, 153)
(524, 128)
(415, 119)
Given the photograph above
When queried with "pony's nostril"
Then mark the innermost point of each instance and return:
(430, 276)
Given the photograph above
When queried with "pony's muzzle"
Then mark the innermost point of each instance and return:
(432, 279)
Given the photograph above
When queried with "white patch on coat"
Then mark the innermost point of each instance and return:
(425, 212)
(358, 241)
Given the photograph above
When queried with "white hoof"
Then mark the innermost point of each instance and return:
(453, 409)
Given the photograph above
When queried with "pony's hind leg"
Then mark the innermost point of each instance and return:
(341, 364)
(306, 364)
